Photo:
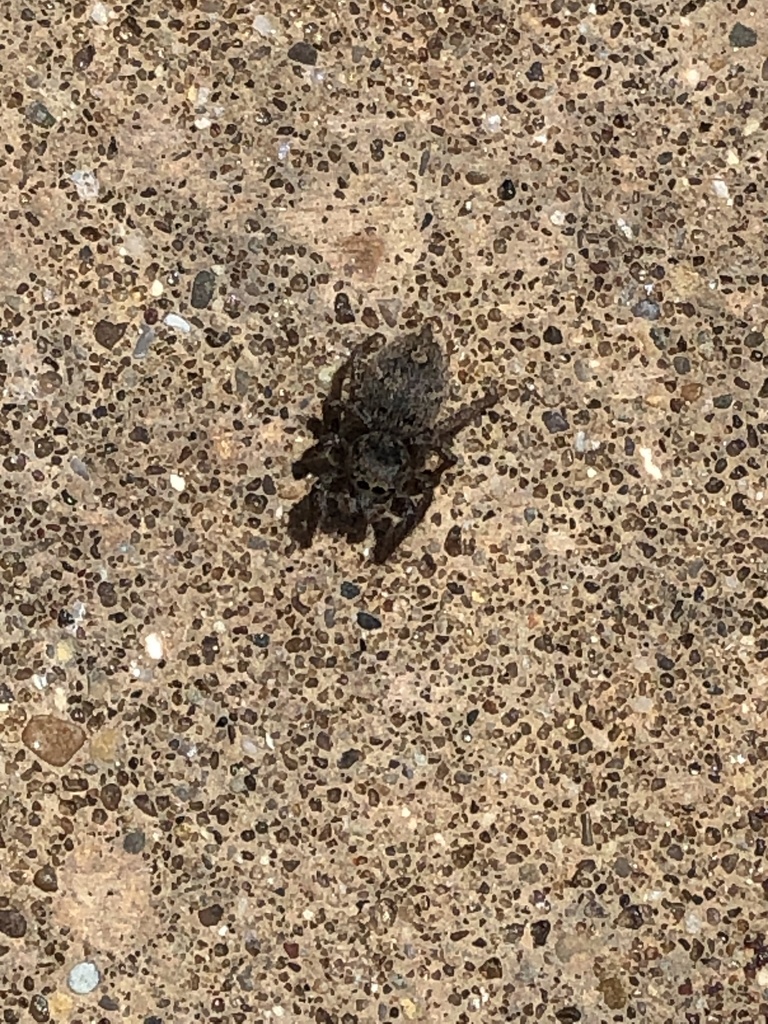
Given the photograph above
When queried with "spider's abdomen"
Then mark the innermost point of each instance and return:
(404, 392)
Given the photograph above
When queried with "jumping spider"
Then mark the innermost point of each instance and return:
(380, 451)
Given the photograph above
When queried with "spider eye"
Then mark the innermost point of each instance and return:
(363, 485)
(379, 491)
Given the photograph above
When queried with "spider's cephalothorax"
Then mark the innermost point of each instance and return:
(380, 450)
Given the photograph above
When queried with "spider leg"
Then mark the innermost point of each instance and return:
(390, 533)
(305, 517)
(447, 430)
(430, 478)
(356, 527)
(315, 461)
(316, 427)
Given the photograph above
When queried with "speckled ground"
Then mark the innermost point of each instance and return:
(538, 791)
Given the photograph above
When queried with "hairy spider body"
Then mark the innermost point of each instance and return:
(380, 450)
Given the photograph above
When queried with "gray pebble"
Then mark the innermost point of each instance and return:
(303, 53)
(647, 310)
(555, 422)
(40, 115)
(742, 35)
(202, 289)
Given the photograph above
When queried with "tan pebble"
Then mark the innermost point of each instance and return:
(410, 1009)
(105, 745)
(65, 651)
(60, 1005)
(53, 740)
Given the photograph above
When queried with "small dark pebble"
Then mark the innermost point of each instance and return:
(682, 364)
(151, 315)
(647, 310)
(64, 619)
(349, 590)
(389, 309)
(134, 842)
(40, 115)
(108, 1003)
(452, 543)
(553, 335)
(763, 392)
(630, 917)
(742, 35)
(111, 794)
(491, 969)
(45, 879)
(366, 621)
(6, 695)
(472, 716)
(303, 53)
(535, 72)
(260, 640)
(555, 422)
(463, 856)
(107, 594)
(153, 1020)
(540, 932)
(108, 334)
(477, 177)
(210, 916)
(128, 31)
(568, 1015)
(217, 339)
(202, 289)
(507, 190)
(145, 804)
(83, 57)
(660, 337)
(350, 757)
(13, 923)
(38, 1009)
(722, 401)
(343, 310)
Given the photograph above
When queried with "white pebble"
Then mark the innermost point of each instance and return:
(84, 977)
(86, 183)
(762, 977)
(720, 188)
(263, 26)
(558, 218)
(178, 483)
(649, 465)
(174, 320)
(100, 13)
(156, 289)
(492, 123)
(153, 645)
